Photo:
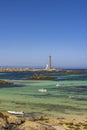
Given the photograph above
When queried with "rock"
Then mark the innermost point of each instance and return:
(29, 125)
(2, 115)
(3, 124)
(53, 121)
(9, 122)
(2, 82)
(41, 77)
(12, 119)
(59, 127)
(12, 122)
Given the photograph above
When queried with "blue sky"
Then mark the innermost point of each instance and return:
(31, 30)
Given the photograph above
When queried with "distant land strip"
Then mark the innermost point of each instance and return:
(73, 71)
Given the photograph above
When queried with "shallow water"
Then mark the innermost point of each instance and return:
(69, 97)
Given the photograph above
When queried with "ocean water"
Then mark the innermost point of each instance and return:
(66, 95)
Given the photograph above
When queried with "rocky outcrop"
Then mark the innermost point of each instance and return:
(42, 77)
(2, 82)
(29, 125)
(9, 122)
(12, 122)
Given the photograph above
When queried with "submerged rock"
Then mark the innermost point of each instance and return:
(42, 77)
(2, 82)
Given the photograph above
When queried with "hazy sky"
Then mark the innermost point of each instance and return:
(31, 30)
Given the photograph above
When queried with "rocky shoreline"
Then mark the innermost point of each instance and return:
(13, 122)
(64, 71)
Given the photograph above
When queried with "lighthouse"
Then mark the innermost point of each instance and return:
(49, 63)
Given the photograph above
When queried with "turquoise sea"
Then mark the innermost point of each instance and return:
(67, 95)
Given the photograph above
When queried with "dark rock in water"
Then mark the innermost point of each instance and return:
(2, 82)
(42, 77)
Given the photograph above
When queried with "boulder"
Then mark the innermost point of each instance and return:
(2, 82)
(3, 124)
(29, 125)
(12, 119)
(41, 77)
